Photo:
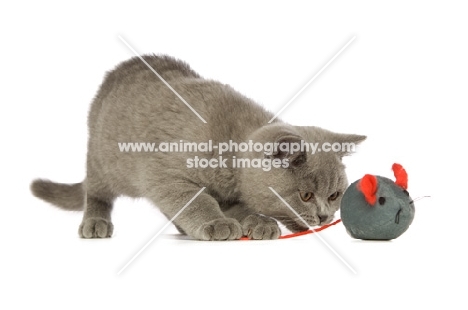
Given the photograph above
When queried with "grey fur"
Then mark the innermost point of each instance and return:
(133, 105)
(65, 196)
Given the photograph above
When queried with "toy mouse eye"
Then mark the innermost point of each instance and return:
(306, 196)
(334, 196)
(406, 192)
(381, 200)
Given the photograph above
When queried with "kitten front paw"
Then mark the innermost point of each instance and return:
(260, 227)
(221, 229)
(95, 228)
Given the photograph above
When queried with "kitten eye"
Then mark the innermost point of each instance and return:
(306, 196)
(334, 196)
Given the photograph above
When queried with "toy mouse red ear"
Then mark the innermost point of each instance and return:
(400, 175)
(368, 186)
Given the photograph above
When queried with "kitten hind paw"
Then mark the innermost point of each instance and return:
(95, 228)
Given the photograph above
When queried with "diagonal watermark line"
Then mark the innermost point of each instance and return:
(161, 78)
(160, 231)
(317, 235)
(312, 79)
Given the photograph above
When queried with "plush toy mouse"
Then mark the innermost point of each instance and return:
(376, 208)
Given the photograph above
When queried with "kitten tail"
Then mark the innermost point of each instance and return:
(65, 196)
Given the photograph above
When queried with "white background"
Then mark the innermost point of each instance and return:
(402, 82)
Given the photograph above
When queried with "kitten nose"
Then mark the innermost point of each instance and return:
(323, 218)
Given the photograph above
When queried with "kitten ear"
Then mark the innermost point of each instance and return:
(289, 147)
(348, 143)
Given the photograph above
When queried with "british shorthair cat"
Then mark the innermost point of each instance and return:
(231, 187)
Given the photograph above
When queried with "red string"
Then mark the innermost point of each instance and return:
(302, 233)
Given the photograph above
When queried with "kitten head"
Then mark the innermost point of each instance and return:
(311, 180)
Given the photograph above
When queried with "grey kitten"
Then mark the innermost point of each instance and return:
(133, 105)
